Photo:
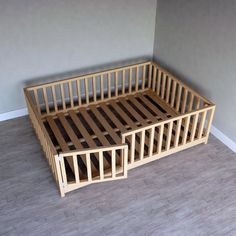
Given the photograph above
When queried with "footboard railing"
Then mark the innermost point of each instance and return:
(166, 137)
(80, 177)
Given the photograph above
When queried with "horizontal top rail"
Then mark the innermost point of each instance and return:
(93, 150)
(158, 123)
(183, 84)
(121, 68)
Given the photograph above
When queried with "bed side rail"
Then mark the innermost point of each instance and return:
(166, 137)
(44, 139)
(174, 92)
(80, 177)
(80, 91)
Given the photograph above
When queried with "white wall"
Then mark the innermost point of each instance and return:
(196, 39)
(47, 37)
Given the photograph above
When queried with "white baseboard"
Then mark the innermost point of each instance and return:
(13, 114)
(217, 133)
(223, 138)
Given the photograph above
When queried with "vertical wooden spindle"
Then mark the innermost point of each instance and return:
(71, 94)
(178, 97)
(88, 164)
(137, 79)
(169, 135)
(78, 91)
(150, 76)
(163, 86)
(76, 169)
(113, 163)
(141, 151)
(168, 89)
(123, 82)
(46, 100)
(177, 133)
(86, 90)
(94, 89)
(116, 83)
(102, 87)
(159, 82)
(183, 104)
(194, 126)
(186, 128)
(144, 77)
(201, 126)
(37, 100)
(54, 98)
(130, 80)
(109, 84)
(160, 138)
(190, 104)
(151, 141)
(173, 93)
(132, 148)
(154, 79)
(101, 165)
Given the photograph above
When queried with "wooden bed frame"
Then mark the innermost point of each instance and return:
(95, 127)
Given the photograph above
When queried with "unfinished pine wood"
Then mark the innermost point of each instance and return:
(139, 114)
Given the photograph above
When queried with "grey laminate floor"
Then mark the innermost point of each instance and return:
(189, 193)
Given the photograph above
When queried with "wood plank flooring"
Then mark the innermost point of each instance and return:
(188, 193)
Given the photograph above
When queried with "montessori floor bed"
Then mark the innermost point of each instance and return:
(95, 127)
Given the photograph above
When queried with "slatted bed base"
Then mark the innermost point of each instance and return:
(94, 128)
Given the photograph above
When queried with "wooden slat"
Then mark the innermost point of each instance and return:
(91, 143)
(105, 124)
(152, 107)
(57, 133)
(142, 109)
(162, 104)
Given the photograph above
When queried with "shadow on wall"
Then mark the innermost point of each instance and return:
(83, 71)
(183, 78)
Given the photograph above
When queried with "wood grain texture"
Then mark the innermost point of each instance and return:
(189, 193)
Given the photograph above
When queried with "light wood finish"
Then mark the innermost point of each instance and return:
(138, 114)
